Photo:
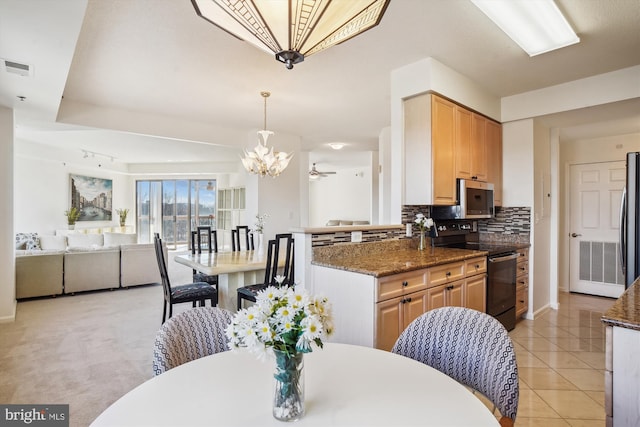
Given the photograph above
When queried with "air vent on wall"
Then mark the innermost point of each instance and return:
(17, 68)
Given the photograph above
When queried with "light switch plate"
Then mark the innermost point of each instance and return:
(356, 236)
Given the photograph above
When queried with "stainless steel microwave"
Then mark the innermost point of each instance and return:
(475, 200)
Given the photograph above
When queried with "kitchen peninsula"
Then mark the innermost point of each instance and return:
(622, 371)
(378, 288)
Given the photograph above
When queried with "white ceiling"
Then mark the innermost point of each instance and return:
(119, 63)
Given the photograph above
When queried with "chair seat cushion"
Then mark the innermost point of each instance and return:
(201, 277)
(249, 292)
(184, 293)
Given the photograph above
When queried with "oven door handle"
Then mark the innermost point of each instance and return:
(504, 258)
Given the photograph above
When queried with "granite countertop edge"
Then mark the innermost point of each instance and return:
(401, 261)
(625, 312)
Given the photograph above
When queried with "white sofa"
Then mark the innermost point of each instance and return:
(78, 262)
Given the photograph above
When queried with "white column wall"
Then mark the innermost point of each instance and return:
(7, 238)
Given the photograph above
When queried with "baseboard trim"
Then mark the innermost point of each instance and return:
(531, 316)
(12, 317)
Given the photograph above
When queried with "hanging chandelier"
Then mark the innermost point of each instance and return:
(263, 160)
(292, 29)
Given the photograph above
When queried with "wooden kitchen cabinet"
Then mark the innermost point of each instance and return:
(394, 315)
(478, 148)
(444, 141)
(463, 138)
(429, 138)
(373, 311)
(447, 295)
(493, 141)
(522, 282)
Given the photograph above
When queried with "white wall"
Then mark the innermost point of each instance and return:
(539, 278)
(345, 195)
(517, 163)
(42, 191)
(7, 239)
(607, 149)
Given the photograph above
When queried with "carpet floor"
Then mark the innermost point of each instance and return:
(85, 350)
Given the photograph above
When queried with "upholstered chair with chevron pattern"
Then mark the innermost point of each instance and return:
(192, 334)
(469, 346)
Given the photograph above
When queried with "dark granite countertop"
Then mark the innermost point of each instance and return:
(380, 259)
(625, 312)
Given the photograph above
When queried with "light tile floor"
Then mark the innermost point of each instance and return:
(560, 358)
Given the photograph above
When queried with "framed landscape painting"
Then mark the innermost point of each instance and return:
(93, 197)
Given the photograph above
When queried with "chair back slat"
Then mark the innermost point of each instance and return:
(282, 242)
(236, 239)
(162, 266)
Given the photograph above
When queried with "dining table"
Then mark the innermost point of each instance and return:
(344, 385)
(234, 270)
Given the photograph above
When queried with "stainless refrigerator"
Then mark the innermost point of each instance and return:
(630, 221)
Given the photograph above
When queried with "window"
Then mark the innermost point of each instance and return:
(173, 208)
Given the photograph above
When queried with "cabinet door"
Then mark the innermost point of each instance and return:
(475, 293)
(493, 140)
(415, 304)
(478, 148)
(389, 323)
(442, 149)
(436, 297)
(463, 149)
(455, 294)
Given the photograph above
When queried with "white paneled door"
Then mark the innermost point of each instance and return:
(596, 192)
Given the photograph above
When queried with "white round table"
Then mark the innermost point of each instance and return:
(345, 385)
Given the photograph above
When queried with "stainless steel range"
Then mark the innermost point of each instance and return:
(501, 271)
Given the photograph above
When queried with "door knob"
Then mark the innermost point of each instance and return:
(575, 235)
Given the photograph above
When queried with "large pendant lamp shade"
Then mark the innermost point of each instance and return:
(292, 29)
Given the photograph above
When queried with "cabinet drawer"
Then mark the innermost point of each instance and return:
(522, 269)
(522, 300)
(524, 255)
(522, 280)
(475, 266)
(401, 284)
(446, 273)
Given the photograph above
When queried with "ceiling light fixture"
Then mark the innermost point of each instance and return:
(337, 145)
(86, 154)
(536, 26)
(292, 29)
(263, 160)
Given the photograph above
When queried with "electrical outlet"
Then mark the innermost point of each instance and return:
(356, 236)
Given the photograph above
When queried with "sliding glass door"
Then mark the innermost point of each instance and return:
(173, 208)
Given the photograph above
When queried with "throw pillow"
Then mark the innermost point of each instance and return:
(53, 242)
(117, 239)
(28, 241)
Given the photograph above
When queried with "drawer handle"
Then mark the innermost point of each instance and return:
(521, 301)
(405, 283)
(448, 274)
(449, 287)
(406, 300)
(522, 282)
(477, 266)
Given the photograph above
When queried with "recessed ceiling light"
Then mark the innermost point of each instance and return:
(537, 26)
(337, 145)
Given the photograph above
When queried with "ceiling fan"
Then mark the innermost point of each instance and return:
(315, 173)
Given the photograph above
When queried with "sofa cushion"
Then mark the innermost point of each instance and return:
(28, 241)
(118, 239)
(91, 241)
(53, 242)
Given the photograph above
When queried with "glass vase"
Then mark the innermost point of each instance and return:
(288, 398)
(422, 244)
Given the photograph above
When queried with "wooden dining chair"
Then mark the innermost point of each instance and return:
(471, 347)
(236, 238)
(197, 292)
(190, 335)
(282, 241)
(204, 237)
